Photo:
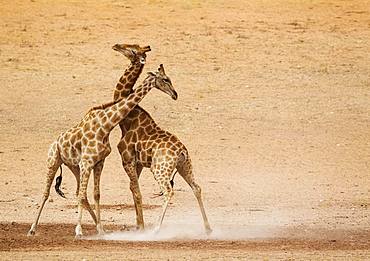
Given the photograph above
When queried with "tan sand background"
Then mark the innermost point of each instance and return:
(274, 107)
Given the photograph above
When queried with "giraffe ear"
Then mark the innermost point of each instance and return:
(151, 74)
(161, 69)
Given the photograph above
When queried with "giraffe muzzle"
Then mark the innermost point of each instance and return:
(116, 47)
(174, 95)
(119, 48)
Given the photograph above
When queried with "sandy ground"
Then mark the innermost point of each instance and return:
(274, 102)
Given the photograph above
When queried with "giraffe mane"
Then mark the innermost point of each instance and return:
(104, 105)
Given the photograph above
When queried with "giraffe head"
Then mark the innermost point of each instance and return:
(133, 52)
(163, 82)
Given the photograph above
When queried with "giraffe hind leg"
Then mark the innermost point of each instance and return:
(54, 162)
(186, 171)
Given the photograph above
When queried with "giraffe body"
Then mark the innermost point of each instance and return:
(144, 139)
(84, 147)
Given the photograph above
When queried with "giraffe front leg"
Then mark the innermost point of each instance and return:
(97, 173)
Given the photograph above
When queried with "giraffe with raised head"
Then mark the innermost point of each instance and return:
(137, 57)
(145, 144)
(84, 147)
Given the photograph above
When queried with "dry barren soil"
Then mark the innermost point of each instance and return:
(274, 107)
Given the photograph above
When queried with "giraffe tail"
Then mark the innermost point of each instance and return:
(58, 182)
(171, 181)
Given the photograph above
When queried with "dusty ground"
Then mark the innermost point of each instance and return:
(274, 102)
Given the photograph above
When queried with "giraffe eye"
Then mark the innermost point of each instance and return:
(142, 60)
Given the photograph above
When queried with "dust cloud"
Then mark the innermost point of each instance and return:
(189, 232)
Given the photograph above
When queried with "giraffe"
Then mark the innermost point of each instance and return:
(84, 147)
(145, 144)
(137, 57)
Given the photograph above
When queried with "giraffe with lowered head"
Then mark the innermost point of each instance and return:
(145, 144)
(86, 145)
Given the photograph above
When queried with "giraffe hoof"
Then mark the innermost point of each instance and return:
(78, 231)
(32, 231)
(78, 237)
(156, 230)
(140, 229)
(208, 231)
(100, 230)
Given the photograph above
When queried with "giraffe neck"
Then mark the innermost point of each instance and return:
(128, 80)
(122, 108)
